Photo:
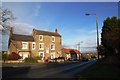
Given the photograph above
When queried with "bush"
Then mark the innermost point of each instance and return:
(4, 57)
(13, 56)
(38, 57)
(30, 60)
(61, 58)
(93, 57)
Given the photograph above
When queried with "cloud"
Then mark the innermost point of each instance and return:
(0, 40)
(37, 9)
(22, 28)
(1, 27)
(86, 35)
(19, 28)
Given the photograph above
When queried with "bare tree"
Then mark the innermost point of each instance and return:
(5, 17)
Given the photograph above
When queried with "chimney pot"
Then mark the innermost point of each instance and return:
(56, 30)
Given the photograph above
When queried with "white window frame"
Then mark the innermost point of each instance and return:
(47, 50)
(52, 55)
(43, 46)
(34, 46)
(42, 53)
(52, 38)
(42, 37)
(26, 46)
(53, 47)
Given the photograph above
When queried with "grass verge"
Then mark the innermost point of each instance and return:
(101, 70)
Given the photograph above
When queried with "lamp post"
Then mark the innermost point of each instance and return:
(96, 31)
(80, 56)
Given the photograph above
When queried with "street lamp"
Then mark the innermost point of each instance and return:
(96, 31)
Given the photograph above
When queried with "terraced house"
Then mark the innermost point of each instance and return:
(41, 43)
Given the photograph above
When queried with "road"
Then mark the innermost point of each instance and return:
(56, 71)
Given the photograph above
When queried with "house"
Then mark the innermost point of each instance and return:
(48, 44)
(21, 44)
(41, 43)
(71, 53)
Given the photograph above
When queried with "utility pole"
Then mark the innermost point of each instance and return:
(97, 36)
(96, 32)
(80, 55)
(79, 49)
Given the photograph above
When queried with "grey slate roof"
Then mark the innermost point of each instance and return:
(41, 32)
(18, 37)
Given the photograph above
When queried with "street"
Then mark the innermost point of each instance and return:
(71, 70)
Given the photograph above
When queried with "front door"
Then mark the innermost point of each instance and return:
(41, 54)
(52, 55)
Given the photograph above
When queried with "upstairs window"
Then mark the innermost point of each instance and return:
(24, 45)
(53, 38)
(52, 46)
(41, 37)
(41, 46)
(33, 45)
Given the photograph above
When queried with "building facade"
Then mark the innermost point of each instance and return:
(21, 44)
(47, 44)
(41, 43)
(71, 53)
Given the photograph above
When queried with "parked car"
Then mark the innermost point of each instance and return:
(72, 59)
(84, 59)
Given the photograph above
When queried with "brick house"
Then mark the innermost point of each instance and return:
(48, 44)
(71, 53)
(21, 44)
(41, 43)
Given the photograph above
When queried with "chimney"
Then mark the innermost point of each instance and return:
(11, 31)
(33, 31)
(56, 30)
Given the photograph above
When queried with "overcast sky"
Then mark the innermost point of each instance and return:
(68, 17)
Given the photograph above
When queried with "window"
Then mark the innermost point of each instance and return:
(47, 50)
(53, 38)
(41, 37)
(24, 45)
(52, 46)
(24, 55)
(33, 45)
(41, 54)
(41, 46)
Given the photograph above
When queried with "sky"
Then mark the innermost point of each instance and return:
(69, 17)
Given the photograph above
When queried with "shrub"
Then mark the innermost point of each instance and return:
(4, 57)
(61, 58)
(30, 60)
(13, 56)
(93, 56)
(38, 57)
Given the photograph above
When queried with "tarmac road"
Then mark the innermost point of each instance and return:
(71, 70)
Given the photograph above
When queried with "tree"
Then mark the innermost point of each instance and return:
(110, 36)
(14, 56)
(101, 50)
(5, 16)
(4, 57)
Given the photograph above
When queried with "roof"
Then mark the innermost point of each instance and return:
(41, 32)
(68, 51)
(18, 37)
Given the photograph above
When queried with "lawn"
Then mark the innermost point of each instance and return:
(101, 70)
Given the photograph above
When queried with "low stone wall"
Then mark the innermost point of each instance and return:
(13, 61)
